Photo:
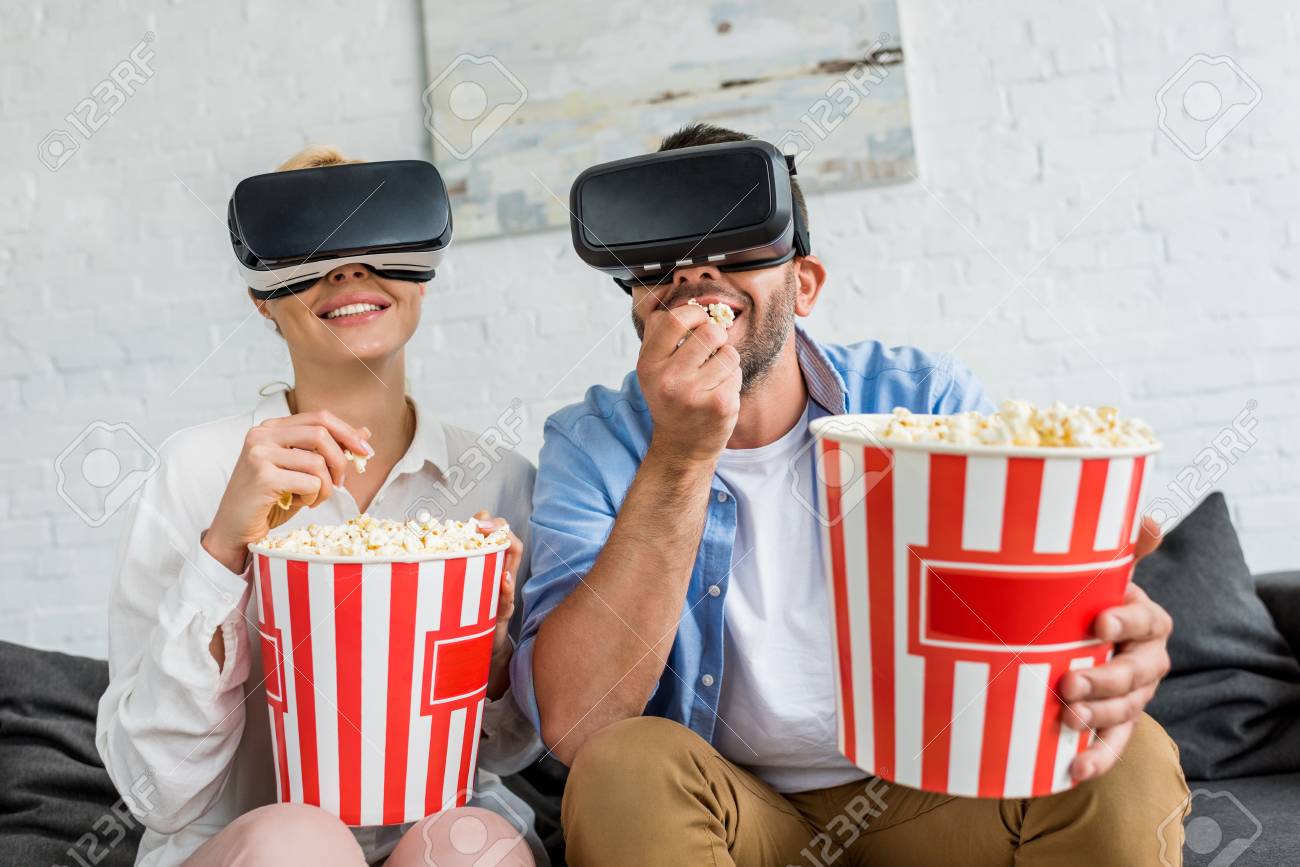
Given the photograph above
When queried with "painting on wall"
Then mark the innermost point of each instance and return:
(518, 110)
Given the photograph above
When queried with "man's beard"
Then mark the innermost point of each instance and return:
(767, 334)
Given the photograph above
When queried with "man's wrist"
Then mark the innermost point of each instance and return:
(686, 465)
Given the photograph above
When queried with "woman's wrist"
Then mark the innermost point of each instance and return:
(233, 557)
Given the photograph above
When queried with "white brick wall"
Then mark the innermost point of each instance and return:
(1158, 283)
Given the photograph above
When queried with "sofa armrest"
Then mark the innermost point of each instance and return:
(1281, 594)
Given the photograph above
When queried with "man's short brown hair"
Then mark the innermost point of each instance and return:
(706, 134)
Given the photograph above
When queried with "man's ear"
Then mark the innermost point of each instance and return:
(811, 274)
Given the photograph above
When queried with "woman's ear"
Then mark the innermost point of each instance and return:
(811, 274)
(264, 308)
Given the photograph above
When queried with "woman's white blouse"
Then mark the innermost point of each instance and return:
(191, 743)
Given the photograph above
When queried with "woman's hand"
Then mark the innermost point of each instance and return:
(302, 455)
(502, 649)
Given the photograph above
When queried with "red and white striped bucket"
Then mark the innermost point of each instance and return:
(376, 674)
(964, 583)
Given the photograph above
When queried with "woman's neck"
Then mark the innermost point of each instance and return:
(370, 395)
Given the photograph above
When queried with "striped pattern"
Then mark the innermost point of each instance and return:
(375, 681)
(963, 588)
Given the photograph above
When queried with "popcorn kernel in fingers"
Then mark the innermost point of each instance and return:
(359, 461)
(285, 501)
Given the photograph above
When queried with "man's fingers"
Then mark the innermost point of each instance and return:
(1108, 712)
(1137, 620)
(721, 368)
(1104, 752)
(1137, 666)
(1148, 537)
(666, 329)
(700, 345)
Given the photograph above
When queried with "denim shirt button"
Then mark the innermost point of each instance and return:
(707, 680)
(722, 496)
(715, 590)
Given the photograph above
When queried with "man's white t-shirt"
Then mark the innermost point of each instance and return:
(776, 711)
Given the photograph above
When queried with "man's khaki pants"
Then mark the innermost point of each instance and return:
(650, 791)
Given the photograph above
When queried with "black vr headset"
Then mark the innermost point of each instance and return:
(291, 228)
(729, 205)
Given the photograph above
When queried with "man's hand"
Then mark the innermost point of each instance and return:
(1108, 699)
(691, 379)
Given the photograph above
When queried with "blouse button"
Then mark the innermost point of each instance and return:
(707, 680)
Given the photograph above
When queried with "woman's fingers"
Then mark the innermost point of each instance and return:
(506, 598)
(487, 525)
(305, 486)
(348, 437)
(313, 439)
(307, 463)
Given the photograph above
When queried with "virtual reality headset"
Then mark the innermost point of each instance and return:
(729, 205)
(291, 228)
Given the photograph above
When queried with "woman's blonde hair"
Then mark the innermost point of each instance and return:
(314, 157)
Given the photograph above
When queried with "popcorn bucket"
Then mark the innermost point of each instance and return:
(375, 677)
(964, 582)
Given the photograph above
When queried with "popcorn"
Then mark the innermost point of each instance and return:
(1020, 423)
(286, 500)
(364, 536)
(359, 461)
(721, 314)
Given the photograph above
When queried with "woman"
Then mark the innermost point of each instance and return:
(182, 727)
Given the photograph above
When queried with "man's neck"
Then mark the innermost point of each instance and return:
(772, 406)
(371, 395)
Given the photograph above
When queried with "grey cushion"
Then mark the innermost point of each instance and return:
(1281, 593)
(1232, 699)
(55, 797)
(1256, 816)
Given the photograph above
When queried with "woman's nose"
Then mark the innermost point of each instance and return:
(347, 274)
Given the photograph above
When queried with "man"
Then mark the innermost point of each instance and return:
(676, 651)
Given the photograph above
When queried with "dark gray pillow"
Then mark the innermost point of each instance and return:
(1232, 698)
(57, 804)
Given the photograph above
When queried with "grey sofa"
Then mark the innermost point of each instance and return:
(1232, 702)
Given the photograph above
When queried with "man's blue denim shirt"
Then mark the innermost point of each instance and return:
(591, 453)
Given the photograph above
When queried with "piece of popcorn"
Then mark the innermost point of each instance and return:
(364, 536)
(1020, 423)
(359, 461)
(286, 500)
(721, 314)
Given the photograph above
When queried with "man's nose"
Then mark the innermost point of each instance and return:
(695, 274)
(350, 273)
